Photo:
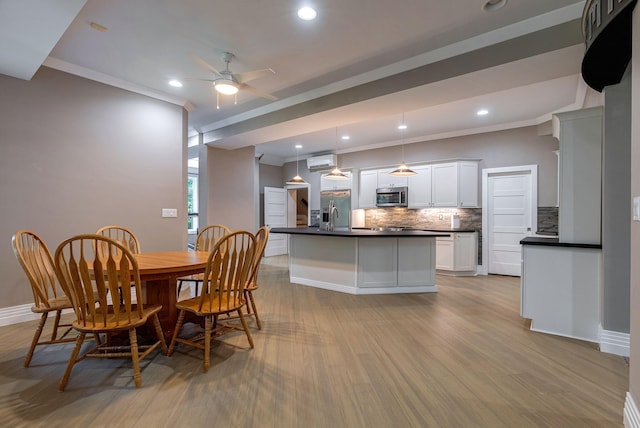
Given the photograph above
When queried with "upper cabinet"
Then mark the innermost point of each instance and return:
(329, 184)
(367, 190)
(385, 180)
(580, 136)
(446, 185)
(419, 192)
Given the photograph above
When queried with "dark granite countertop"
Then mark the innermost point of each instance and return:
(360, 233)
(555, 242)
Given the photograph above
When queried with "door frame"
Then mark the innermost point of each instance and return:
(509, 170)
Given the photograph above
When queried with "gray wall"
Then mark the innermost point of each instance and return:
(616, 206)
(521, 146)
(76, 155)
(231, 198)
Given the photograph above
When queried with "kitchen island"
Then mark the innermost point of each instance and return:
(363, 261)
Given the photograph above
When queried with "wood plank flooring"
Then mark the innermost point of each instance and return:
(460, 358)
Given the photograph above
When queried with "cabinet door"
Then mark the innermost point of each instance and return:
(368, 186)
(328, 184)
(377, 262)
(413, 257)
(445, 184)
(385, 180)
(465, 252)
(444, 253)
(467, 184)
(419, 192)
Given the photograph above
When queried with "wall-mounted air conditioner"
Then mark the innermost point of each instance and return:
(322, 162)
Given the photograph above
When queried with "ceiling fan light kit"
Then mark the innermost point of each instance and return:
(227, 83)
(226, 87)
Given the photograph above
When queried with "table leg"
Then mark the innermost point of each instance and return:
(162, 292)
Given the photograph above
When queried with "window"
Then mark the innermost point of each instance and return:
(192, 203)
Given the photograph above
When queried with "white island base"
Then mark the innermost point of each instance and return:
(364, 265)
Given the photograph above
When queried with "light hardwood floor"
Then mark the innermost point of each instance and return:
(460, 358)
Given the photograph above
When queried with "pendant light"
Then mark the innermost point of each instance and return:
(403, 170)
(297, 179)
(336, 174)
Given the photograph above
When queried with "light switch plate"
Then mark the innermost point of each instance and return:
(169, 212)
(636, 208)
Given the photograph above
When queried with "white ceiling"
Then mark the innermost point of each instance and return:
(356, 69)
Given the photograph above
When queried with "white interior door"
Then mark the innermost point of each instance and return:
(510, 212)
(275, 215)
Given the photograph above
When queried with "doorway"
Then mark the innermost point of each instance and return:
(298, 211)
(510, 206)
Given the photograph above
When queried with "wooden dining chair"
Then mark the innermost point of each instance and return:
(205, 241)
(35, 259)
(122, 235)
(228, 268)
(89, 268)
(262, 236)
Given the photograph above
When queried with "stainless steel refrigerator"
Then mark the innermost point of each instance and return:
(335, 205)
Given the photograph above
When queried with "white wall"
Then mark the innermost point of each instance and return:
(76, 155)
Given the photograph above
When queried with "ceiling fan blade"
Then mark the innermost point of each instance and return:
(258, 92)
(247, 76)
(204, 64)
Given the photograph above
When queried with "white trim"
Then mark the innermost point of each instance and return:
(525, 169)
(373, 290)
(613, 342)
(17, 314)
(631, 416)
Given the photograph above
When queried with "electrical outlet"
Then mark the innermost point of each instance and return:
(169, 212)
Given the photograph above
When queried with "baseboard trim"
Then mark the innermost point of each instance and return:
(17, 314)
(613, 342)
(631, 415)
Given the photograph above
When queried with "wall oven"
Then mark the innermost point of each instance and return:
(391, 197)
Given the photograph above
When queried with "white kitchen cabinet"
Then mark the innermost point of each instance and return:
(329, 184)
(467, 184)
(419, 187)
(444, 185)
(385, 180)
(457, 254)
(367, 190)
(580, 136)
(561, 287)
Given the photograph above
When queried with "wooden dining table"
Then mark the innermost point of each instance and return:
(159, 273)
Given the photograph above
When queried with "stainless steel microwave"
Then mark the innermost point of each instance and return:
(391, 197)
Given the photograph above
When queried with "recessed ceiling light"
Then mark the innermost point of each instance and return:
(307, 13)
(402, 126)
(493, 5)
(298, 146)
(175, 83)
(482, 112)
(346, 137)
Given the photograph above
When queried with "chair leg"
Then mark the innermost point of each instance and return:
(56, 323)
(246, 327)
(207, 342)
(176, 332)
(255, 311)
(36, 338)
(72, 361)
(160, 334)
(133, 339)
(179, 287)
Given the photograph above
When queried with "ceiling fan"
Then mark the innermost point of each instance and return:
(228, 83)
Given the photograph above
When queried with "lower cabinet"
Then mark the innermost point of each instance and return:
(457, 254)
(395, 262)
(561, 289)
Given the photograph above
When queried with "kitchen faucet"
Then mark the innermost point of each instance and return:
(332, 210)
